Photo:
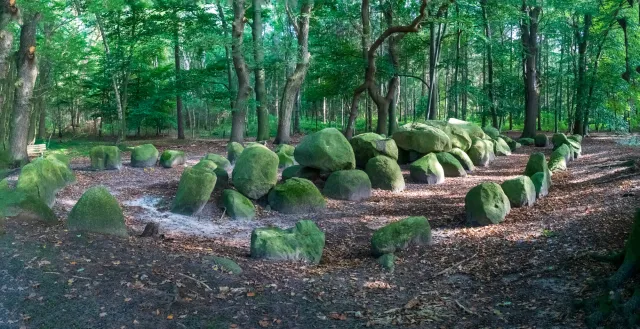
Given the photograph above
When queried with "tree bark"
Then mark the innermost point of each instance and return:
(176, 56)
(583, 42)
(492, 97)
(242, 72)
(262, 111)
(295, 80)
(27, 68)
(231, 87)
(530, 47)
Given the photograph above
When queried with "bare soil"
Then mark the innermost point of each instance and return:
(524, 273)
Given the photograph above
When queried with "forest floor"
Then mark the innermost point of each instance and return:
(524, 273)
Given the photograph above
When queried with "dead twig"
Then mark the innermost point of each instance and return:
(224, 211)
(196, 280)
(464, 308)
(455, 265)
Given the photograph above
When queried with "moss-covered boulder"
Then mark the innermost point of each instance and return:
(387, 261)
(21, 206)
(222, 179)
(234, 149)
(558, 139)
(172, 159)
(285, 155)
(427, 170)
(43, 178)
(500, 147)
(575, 142)
(576, 138)
(400, 235)
(194, 191)
(559, 159)
(537, 163)
(105, 158)
(526, 141)
(350, 185)
(368, 145)
(385, 174)
(238, 206)
(255, 172)
(452, 167)
(286, 149)
(520, 191)
(97, 211)
(303, 242)
(296, 196)
(481, 152)
(541, 140)
(206, 165)
(513, 145)
(474, 130)
(492, 132)
(542, 182)
(486, 204)
(219, 160)
(463, 158)
(326, 150)
(423, 139)
(299, 171)
(458, 135)
(144, 156)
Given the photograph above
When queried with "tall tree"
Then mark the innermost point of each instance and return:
(176, 55)
(242, 72)
(489, 51)
(262, 111)
(529, 31)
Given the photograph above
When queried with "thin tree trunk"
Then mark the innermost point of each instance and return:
(27, 68)
(231, 87)
(260, 89)
(242, 72)
(581, 97)
(530, 47)
(176, 55)
(492, 98)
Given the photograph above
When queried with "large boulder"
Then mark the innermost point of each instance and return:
(492, 132)
(463, 158)
(369, 145)
(559, 139)
(21, 206)
(542, 182)
(296, 196)
(194, 190)
(171, 159)
(427, 170)
(299, 171)
(520, 191)
(43, 178)
(255, 172)
(575, 142)
(423, 139)
(97, 211)
(222, 178)
(500, 147)
(452, 167)
(144, 156)
(559, 158)
(474, 130)
(327, 150)
(305, 242)
(459, 136)
(234, 149)
(350, 185)
(238, 206)
(513, 145)
(385, 174)
(526, 141)
(220, 161)
(105, 158)
(285, 155)
(541, 140)
(400, 235)
(486, 204)
(481, 152)
(538, 164)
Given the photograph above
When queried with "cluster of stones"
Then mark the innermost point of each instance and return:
(490, 203)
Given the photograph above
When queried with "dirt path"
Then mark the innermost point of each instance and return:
(523, 273)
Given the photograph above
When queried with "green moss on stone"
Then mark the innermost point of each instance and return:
(144, 156)
(542, 182)
(369, 145)
(527, 141)
(21, 206)
(255, 172)
(474, 130)
(385, 174)
(206, 165)
(105, 158)
(492, 132)
(219, 160)
(520, 191)
(351, 185)
(43, 178)
(303, 242)
(481, 152)
(463, 158)
(238, 206)
(425, 139)
(194, 191)
(295, 196)
(486, 204)
(286, 149)
(234, 149)
(541, 140)
(400, 235)
(299, 171)
(559, 158)
(171, 158)
(452, 167)
(97, 211)
(501, 147)
(222, 179)
(427, 170)
(326, 150)
(387, 261)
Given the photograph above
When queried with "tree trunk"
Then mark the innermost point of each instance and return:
(27, 68)
(242, 72)
(230, 85)
(583, 42)
(530, 48)
(176, 56)
(260, 89)
(295, 80)
(492, 97)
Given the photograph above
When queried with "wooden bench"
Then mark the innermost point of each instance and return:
(36, 150)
